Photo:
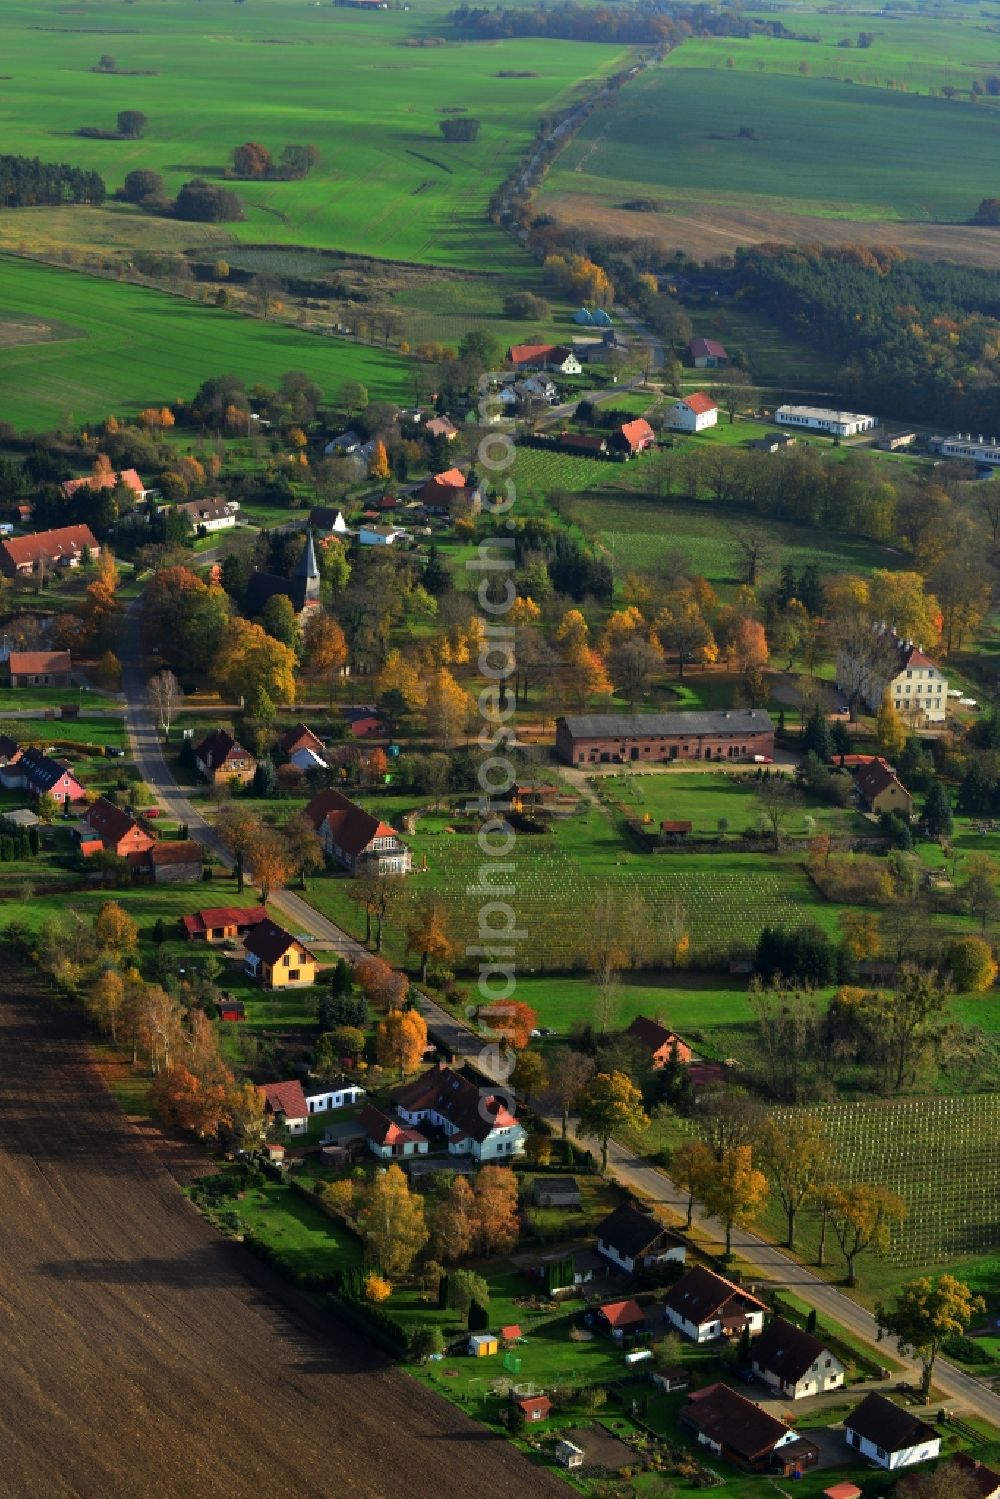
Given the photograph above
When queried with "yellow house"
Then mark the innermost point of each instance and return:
(277, 959)
(882, 790)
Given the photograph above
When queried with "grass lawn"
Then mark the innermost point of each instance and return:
(357, 86)
(130, 347)
(309, 1242)
(706, 799)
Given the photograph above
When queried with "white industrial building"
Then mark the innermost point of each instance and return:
(818, 419)
(974, 450)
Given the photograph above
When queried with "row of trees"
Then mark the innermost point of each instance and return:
(26, 182)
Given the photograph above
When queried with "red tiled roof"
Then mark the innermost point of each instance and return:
(287, 1098)
(622, 1313)
(299, 734)
(510, 1332)
(700, 348)
(535, 1405)
(107, 479)
(653, 1035)
(218, 916)
(529, 353)
(675, 827)
(38, 661)
(110, 822)
(441, 426)
(700, 1293)
(874, 778)
(730, 1420)
(699, 403)
(177, 851)
(454, 1097)
(637, 432)
(216, 748)
(351, 827)
(384, 1130)
(64, 541)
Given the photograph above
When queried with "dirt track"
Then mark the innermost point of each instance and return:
(136, 1358)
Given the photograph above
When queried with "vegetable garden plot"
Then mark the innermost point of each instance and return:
(940, 1155)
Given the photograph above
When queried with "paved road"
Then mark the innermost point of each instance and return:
(630, 1170)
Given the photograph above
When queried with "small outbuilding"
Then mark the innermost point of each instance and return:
(534, 1407)
(890, 1435)
(483, 1344)
(556, 1192)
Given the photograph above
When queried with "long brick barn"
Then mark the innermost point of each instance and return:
(621, 738)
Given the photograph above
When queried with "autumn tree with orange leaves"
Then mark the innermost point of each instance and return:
(402, 1041)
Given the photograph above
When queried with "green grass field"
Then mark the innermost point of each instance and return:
(676, 134)
(354, 85)
(133, 347)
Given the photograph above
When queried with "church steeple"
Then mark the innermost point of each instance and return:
(308, 571)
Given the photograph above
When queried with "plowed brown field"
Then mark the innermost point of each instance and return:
(137, 1360)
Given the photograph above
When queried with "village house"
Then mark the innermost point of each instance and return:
(705, 1306)
(178, 862)
(387, 1138)
(633, 1240)
(620, 738)
(285, 1104)
(449, 492)
(882, 790)
(693, 413)
(890, 1435)
(378, 534)
(355, 838)
(207, 516)
(658, 1041)
(66, 546)
(736, 1429)
(773, 442)
(39, 668)
(40, 775)
(116, 829)
(277, 959)
(534, 1407)
(535, 388)
(624, 1319)
(108, 479)
(343, 445)
(481, 1126)
(633, 437)
(794, 1363)
(299, 736)
(221, 759)
(544, 357)
(341, 1093)
(707, 354)
(820, 419)
(362, 722)
(441, 426)
(222, 923)
(914, 684)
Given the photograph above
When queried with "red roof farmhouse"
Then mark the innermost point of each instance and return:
(658, 1041)
(735, 1428)
(40, 775)
(448, 489)
(178, 862)
(706, 353)
(620, 738)
(64, 547)
(483, 1127)
(693, 413)
(107, 479)
(222, 923)
(634, 437)
(286, 1104)
(706, 1306)
(356, 838)
(387, 1138)
(117, 829)
(39, 668)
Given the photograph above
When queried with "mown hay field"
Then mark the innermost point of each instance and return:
(350, 83)
(123, 347)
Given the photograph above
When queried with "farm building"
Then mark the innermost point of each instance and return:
(973, 450)
(794, 1363)
(355, 838)
(322, 1097)
(222, 923)
(658, 1041)
(736, 1429)
(276, 958)
(556, 1192)
(893, 442)
(633, 1240)
(449, 491)
(221, 759)
(706, 1306)
(178, 862)
(882, 790)
(774, 442)
(207, 516)
(693, 413)
(107, 478)
(544, 357)
(64, 547)
(819, 419)
(889, 1435)
(39, 668)
(581, 442)
(621, 738)
(707, 354)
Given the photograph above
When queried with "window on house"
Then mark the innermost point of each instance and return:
(294, 974)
